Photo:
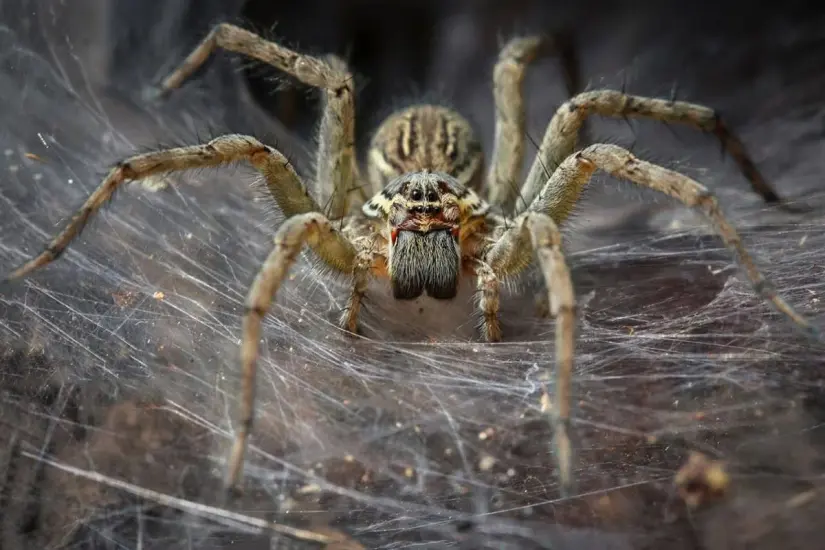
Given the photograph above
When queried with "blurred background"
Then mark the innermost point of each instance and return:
(389, 441)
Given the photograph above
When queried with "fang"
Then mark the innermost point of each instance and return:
(425, 262)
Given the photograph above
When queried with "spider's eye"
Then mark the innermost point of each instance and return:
(416, 195)
(432, 197)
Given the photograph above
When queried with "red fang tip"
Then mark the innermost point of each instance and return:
(394, 235)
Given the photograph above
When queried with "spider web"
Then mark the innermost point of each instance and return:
(121, 360)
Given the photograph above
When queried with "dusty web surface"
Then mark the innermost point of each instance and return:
(120, 359)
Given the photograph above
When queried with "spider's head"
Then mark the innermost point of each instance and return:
(424, 214)
(425, 137)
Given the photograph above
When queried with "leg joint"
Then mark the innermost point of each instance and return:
(763, 287)
(255, 309)
(126, 170)
(54, 252)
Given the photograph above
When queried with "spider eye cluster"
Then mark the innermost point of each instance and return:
(425, 209)
(437, 196)
(418, 195)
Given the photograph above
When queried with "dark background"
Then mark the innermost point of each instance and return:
(672, 345)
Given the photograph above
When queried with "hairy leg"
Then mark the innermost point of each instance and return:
(535, 231)
(508, 144)
(311, 228)
(361, 270)
(283, 183)
(562, 133)
(336, 176)
(504, 177)
(336, 166)
(488, 293)
(564, 187)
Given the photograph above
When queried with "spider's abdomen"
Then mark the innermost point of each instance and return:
(424, 262)
(425, 138)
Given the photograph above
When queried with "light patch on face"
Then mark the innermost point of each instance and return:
(467, 201)
(471, 205)
(378, 206)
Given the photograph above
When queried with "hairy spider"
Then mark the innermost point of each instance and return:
(423, 223)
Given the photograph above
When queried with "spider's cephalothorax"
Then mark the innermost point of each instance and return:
(429, 223)
(423, 214)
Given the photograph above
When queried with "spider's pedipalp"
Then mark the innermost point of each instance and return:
(488, 297)
(365, 262)
(575, 171)
(311, 228)
(562, 133)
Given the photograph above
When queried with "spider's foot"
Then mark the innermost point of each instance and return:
(811, 331)
(6, 283)
(349, 324)
(562, 448)
(154, 94)
(230, 495)
(490, 330)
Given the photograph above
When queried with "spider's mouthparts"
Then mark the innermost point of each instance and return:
(425, 224)
(424, 262)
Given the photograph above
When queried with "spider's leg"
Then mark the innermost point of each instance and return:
(567, 182)
(314, 229)
(508, 78)
(337, 177)
(336, 174)
(282, 181)
(361, 271)
(562, 132)
(488, 293)
(535, 231)
(508, 144)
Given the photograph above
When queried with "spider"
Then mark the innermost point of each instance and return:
(428, 216)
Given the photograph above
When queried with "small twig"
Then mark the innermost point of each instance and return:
(187, 505)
